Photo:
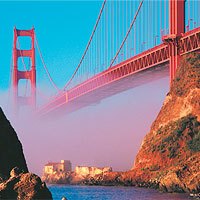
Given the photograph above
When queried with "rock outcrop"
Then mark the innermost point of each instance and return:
(23, 186)
(58, 178)
(15, 181)
(11, 152)
(84, 174)
(170, 152)
(84, 171)
(81, 175)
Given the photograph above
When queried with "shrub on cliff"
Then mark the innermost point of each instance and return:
(194, 143)
(174, 134)
(187, 76)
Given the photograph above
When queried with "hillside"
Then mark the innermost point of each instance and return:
(170, 152)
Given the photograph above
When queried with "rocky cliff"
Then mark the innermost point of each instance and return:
(11, 153)
(170, 152)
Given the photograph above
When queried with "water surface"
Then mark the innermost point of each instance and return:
(110, 193)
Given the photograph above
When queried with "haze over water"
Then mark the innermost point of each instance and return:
(106, 134)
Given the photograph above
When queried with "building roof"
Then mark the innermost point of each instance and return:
(57, 163)
(52, 163)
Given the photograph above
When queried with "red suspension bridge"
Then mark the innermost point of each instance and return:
(131, 43)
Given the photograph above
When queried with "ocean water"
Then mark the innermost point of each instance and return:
(110, 193)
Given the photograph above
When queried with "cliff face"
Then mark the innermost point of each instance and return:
(11, 153)
(170, 152)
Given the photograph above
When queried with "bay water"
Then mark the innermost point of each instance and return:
(111, 193)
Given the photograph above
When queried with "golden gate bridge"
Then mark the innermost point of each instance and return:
(132, 42)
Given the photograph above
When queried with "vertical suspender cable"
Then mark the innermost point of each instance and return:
(188, 15)
(106, 36)
(98, 28)
(198, 16)
(135, 35)
(165, 18)
(139, 35)
(130, 38)
(117, 24)
(127, 34)
(112, 29)
(147, 24)
(44, 65)
(126, 29)
(161, 19)
(87, 47)
(135, 32)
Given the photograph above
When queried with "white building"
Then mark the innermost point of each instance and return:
(63, 166)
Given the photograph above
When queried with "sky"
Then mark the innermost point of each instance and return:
(62, 29)
(107, 134)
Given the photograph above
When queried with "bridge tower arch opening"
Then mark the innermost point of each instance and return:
(26, 74)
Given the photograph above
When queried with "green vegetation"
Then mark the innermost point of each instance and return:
(187, 75)
(159, 131)
(153, 148)
(193, 59)
(151, 168)
(194, 143)
(154, 167)
(187, 128)
(161, 148)
(173, 151)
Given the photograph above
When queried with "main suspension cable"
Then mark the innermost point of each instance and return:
(88, 45)
(45, 67)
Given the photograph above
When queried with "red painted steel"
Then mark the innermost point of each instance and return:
(151, 58)
(190, 41)
(148, 59)
(177, 27)
(17, 74)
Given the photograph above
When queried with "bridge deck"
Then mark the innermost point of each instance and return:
(140, 69)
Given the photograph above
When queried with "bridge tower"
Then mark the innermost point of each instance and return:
(176, 28)
(26, 74)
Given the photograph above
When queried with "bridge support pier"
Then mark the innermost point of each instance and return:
(26, 73)
(177, 28)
